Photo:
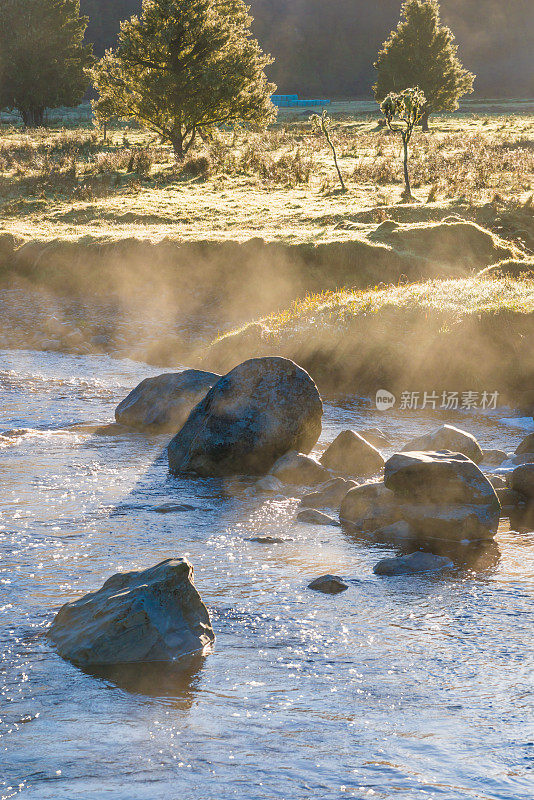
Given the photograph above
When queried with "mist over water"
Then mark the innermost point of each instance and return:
(407, 687)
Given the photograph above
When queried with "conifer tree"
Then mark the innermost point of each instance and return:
(421, 52)
(183, 67)
(43, 58)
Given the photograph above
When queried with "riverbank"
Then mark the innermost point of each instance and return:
(465, 334)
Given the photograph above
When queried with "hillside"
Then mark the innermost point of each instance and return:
(497, 46)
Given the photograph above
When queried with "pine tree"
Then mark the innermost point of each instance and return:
(43, 59)
(421, 52)
(184, 67)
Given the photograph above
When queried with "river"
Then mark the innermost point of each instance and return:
(403, 688)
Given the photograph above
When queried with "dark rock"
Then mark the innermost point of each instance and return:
(450, 438)
(497, 481)
(328, 584)
(351, 454)
(314, 517)
(329, 496)
(412, 564)
(163, 403)
(154, 615)
(262, 409)
(526, 446)
(299, 469)
(522, 480)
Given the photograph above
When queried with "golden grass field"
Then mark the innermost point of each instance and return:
(66, 183)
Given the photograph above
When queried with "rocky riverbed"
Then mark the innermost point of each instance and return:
(418, 681)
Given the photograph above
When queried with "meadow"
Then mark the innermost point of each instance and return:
(66, 182)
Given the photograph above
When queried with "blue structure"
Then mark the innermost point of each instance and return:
(292, 101)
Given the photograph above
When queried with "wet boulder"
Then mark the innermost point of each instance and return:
(260, 410)
(329, 495)
(376, 437)
(522, 480)
(162, 404)
(412, 564)
(298, 469)
(526, 446)
(443, 495)
(153, 615)
(493, 458)
(370, 507)
(447, 437)
(351, 454)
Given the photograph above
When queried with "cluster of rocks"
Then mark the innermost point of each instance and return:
(263, 418)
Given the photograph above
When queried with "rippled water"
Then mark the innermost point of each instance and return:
(403, 687)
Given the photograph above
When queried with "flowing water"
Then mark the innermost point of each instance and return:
(399, 688)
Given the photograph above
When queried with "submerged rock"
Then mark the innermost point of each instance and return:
(154, 615)
(269, 484)
(296, 468)
(329, 496)
(314, 517)
(351, 454)
(163, 403)
(328, 584)
(262, 409)
(173, 508)
(447, 437)
(412, 564)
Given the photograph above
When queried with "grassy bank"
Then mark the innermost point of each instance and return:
(469, 334)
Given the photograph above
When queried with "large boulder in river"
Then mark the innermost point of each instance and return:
(447, 437)
(262, 409)
(351, 454)
(162, 404)
(154, 615)
(443, 495)
(441, 477)
(438, 495)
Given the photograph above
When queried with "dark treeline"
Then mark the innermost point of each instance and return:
(327, 48)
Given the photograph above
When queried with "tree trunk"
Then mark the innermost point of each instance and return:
(407, 190)
(177, 142)
(424, 121)
(33, 117)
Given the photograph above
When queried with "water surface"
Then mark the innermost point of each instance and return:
(398, 688)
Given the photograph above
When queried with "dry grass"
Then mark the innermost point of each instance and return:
(280, 184)
(465, 334)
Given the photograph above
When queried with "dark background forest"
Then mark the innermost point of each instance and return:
(326, 47)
